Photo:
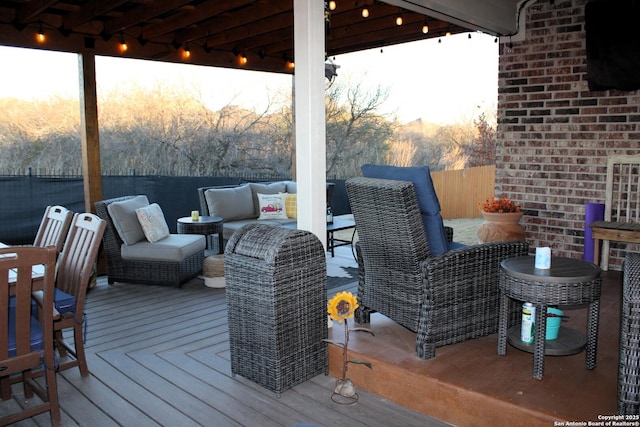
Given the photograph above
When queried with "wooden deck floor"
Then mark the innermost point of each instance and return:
(159, 356)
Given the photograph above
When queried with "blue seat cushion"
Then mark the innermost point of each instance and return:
(64, 302)
(35, 338)
(428, 201)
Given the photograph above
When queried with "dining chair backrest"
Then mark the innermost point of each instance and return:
(77, 259)
(53, 227)
(75, 268)
(26, 342)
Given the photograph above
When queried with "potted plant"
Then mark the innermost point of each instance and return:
(502, 220)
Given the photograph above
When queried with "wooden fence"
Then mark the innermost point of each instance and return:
(459, 191)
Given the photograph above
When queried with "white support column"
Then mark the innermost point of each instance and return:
(310, 131)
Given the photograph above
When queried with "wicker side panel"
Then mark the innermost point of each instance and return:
(462, 295)
(111, 240)
(629, 357)
(276, 299)
(393, 244)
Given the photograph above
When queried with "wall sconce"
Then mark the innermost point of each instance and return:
(40, 34)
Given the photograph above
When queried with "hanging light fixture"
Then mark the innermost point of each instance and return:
(365, 11)
(399, 19)
(40, 34)
(425, 27)
(186, 52)
(332, 5)
(243, 59)
(123, 44)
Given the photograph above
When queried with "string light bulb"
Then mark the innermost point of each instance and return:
(425, 27)
(123, 44)
(399, 20)
(290, 64)
(332, 5)
(40, 35)
(186, 52)
(365, 12)
(243, 59)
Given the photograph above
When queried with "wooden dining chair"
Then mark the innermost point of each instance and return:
(76, 265)
(26, 342)
(53, 227)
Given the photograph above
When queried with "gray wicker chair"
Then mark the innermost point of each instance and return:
(446, 299)
(629, 358)
(151, 272)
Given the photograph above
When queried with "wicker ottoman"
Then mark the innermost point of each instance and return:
(276, 290)
(213, 271)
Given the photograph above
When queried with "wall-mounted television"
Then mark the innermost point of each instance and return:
(613, 44)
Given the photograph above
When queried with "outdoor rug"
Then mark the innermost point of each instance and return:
(339, 276)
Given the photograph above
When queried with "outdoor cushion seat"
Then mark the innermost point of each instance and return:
(176, 247)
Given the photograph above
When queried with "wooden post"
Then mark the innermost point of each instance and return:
(90, 138)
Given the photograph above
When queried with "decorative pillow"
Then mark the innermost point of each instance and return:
(125, 220)
(153, 223)
(230, 204)
(265, 188)
(291, 204)
(272, 206)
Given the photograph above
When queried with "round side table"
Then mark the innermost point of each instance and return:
(206, 225)
(567, 282)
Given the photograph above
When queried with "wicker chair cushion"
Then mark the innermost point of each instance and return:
(176, 247)
(230, 204)
(125, 220)
(427, 200)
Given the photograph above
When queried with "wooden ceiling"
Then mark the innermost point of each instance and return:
(217, 33)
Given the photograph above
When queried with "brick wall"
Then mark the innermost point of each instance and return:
(554, 134)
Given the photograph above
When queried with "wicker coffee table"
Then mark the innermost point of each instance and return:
(567, 282)
(205, 225)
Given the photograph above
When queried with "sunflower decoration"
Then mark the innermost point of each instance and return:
(342, 306)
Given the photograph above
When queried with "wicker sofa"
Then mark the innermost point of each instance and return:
(170, 261)
(239, 205)
(445, 298)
